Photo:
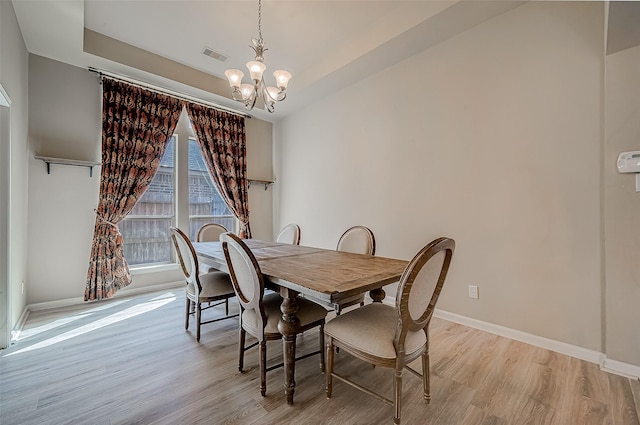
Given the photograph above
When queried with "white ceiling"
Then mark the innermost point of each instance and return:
(326, 45)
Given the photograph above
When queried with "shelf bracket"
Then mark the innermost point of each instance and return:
(266, 183)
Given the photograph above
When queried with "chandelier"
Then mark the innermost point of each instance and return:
(249, 93)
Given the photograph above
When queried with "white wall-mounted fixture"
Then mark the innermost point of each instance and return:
(629, 162)
(473, 292)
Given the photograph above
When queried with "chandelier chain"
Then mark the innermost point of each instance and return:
(260, 20)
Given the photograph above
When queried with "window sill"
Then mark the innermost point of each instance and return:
(138, 270)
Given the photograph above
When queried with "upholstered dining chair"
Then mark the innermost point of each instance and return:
(394, 336)
(358, 240)
(289, 234)
(210, 232)
(260, 312)
(213, 288)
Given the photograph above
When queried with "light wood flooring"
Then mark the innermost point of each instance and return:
(130, 361)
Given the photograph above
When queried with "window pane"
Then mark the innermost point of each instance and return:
(146, 229)
(205, 203)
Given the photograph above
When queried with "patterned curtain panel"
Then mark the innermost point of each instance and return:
(221, 137)
(136, 127)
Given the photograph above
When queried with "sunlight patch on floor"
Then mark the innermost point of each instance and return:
(128, 313)
(27, 333)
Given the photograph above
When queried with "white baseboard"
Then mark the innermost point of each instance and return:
(621, 368)
(592, 356)
(586, 354)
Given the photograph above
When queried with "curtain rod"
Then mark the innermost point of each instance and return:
(165, 91)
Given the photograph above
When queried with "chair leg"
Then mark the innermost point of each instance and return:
(397, 394)
(263, 367)
(321, 339)
(186, 318)
(337, 309)
(241, 345)
(425, 377)
(329, 368)
(198, 315)
(226, 306)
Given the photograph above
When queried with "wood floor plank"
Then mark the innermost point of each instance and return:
(623, 408)
(130, 361)
(635, 390)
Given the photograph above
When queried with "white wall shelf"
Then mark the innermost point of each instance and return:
(266, 183)
(63, 161)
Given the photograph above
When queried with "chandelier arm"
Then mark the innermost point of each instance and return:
(269, 102)
(251, 102)
(269, 105)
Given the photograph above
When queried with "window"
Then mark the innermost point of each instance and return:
(145, 230)
(205, 203)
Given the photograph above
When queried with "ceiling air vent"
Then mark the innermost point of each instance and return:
(207, 51)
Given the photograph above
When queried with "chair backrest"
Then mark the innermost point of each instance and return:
(357, 239)
(210, 232)
(420, 287)
(187, 257)
(245, 273)
(289, 234)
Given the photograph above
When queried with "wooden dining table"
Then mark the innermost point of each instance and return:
(323, 275)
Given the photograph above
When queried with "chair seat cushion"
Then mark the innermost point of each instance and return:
(308, 312)
(372, 329)
(215, 286)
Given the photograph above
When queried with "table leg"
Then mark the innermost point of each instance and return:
(377, 295)
(289, 326)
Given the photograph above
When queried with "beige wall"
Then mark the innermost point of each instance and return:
(496, 143)
(622, 208)
(260, 167)
(65, 121)
(13, 76)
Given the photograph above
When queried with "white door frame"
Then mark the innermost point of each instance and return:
(5, 209)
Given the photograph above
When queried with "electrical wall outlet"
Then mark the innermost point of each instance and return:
(473, 292)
